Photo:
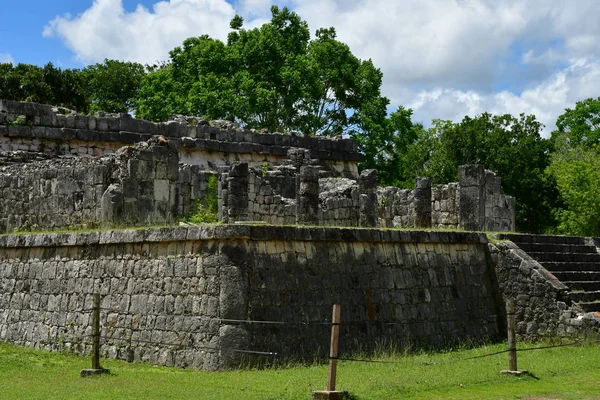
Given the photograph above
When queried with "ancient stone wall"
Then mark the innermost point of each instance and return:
(542, 307)
(54, 194)
(334, 201)
(396, 207)
(193, 188)
(338, 202)
(135, 186)
(43, 128)
(482, 204)
(445, 206)
(175, 296)
(265, 205)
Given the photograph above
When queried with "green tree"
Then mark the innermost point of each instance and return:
(576, 168)
(272, 77)
(388, 143)
(48, 84)
(111, 86)
(581, 125)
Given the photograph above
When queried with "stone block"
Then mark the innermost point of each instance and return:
(129, 124)
(161, 190)
(471, 175)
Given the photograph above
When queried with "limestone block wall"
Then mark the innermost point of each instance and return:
(135, 186)
(192, 187)
(445, 206)
(338, 202)
(483, 205)
(58, 131)
(175, 296)
(396, 207)
(541, 300)
(151, 291)
(265, 203)
(499, 208)
(54, 194)
(146, 192)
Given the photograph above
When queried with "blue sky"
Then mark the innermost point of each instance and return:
(443, 58)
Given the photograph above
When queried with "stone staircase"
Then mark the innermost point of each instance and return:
(573, 260)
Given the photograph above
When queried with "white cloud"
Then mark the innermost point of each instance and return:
(6, 58)
(546, 100)
(106, 30)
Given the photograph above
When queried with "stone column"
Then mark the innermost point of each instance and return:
(368, 207)
(471, 179)
(237, 193)
(233, 303)
(422, 202)
(307, 211)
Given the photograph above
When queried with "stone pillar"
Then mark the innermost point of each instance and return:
(233, 304)
(471, 179)
(223, 197)
(368, 207)
(422, 202)
(307, 211)
(237, 193)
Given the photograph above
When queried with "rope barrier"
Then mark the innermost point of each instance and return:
(267, 353)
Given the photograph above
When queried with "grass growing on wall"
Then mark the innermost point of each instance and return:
(558, 373)
(206, 210)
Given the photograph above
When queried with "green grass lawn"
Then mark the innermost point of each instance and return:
(558, 373)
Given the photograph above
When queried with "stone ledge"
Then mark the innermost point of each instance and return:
(237, 231)
(122, 128)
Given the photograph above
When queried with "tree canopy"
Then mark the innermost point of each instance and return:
(109, 86)
(576, 168)
(272, 77)
(509, 146)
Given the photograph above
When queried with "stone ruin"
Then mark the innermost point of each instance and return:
(191, 285)
(69, 171)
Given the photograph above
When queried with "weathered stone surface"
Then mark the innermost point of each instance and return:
(367, 184)
(167, 292)
(422, 199)
(308, 196)
(540, 298)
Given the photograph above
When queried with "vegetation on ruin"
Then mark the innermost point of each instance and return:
(558, 373)
(206, 210)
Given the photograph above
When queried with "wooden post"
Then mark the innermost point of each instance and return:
(96, 332)
(96, 368)
(512, 339)
(333, 350)
(330, 393)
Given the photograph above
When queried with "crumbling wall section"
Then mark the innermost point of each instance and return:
(193, 188)
(42, 128)
(265, 203)
(135, 186)
(54, 194)
(445, 206)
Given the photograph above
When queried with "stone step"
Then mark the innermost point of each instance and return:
(570, 266)
(565, 257)
(564, 276)
(556, 248)
(582, 285)
(522, 238)
(590, 306)
(584, 297)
